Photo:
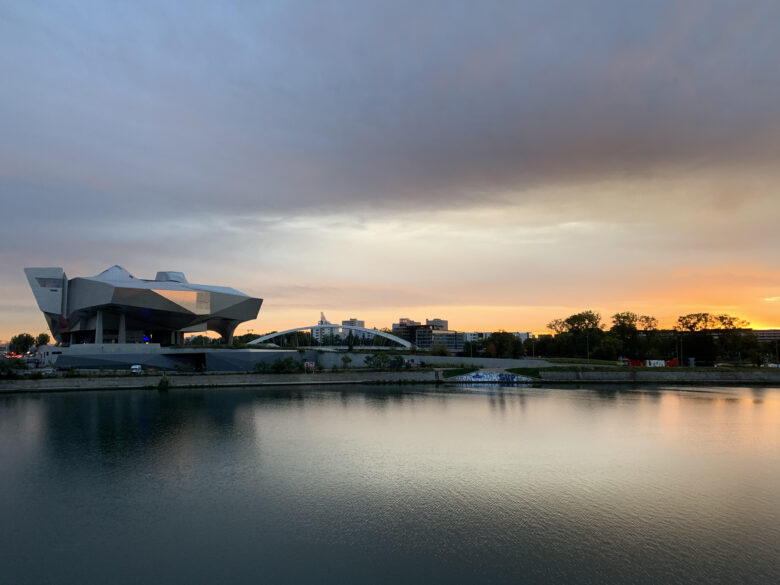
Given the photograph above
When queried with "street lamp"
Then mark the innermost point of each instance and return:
(587, 347)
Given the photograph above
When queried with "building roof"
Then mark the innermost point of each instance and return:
(167, 280)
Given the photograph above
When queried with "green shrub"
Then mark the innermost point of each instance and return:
(288, 365)
(440, 349)
(378, 361)
(71, 372)
(8, 367)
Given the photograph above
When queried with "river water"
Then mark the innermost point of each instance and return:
(391, 485)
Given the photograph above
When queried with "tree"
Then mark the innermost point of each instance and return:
(695, 322)
(8, 367)
(732, 343)
(202, 340)
(608, 348)
(558, 326)
(439, 349)
(242, 340)
(709, 337)
(577, 323)
(624, 329)
(648, 323)
(624, 325)
(345, 361)
(21, 343)
(471, 349)
(378, 361)
(505, 345)
(288, 365)
(396, 361)
(42, 339)
(728, 322)
(583, 321)
(576, 334)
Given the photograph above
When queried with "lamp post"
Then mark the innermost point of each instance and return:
(587, 347)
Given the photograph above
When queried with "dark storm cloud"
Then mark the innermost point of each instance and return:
(273, 108)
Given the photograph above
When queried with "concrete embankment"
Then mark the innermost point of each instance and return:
(713, 377)
(131, 382)
(357, 360)
(545, 377)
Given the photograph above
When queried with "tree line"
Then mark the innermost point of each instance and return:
(24, 342)
(706, 337)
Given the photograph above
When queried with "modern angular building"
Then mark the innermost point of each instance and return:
(116, 307)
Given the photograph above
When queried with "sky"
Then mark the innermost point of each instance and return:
(497, 164)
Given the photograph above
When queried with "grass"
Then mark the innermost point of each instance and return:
(530, 372)
(459, 372)
(581, 361)
(536, 372)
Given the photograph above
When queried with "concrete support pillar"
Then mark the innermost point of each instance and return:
(173, 338)
(227, 332)
(122, 329)
(99, 327)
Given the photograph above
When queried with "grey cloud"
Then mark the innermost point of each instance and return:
(271, 109)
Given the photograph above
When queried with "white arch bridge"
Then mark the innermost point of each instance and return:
(324, 332)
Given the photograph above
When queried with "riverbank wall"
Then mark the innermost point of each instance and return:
(551, 377)
(138, 382)
(714, 377)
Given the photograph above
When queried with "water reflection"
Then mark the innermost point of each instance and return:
(392, 484)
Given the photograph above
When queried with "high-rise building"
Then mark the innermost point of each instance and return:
(427, 337)
(325, 332)
(438, 324)
(405, 328)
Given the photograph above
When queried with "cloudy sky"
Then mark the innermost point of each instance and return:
(499, 164)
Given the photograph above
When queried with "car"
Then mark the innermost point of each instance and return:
(137, 369)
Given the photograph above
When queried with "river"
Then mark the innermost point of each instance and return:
(383, 484)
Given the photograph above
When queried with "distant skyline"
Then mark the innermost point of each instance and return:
(494, 164)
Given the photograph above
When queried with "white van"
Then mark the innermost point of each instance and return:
(136, 369)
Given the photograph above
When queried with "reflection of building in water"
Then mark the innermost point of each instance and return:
(116, 307)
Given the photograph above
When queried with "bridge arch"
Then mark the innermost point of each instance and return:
(372, 332)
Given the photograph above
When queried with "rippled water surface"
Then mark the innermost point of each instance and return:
(391, 485)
